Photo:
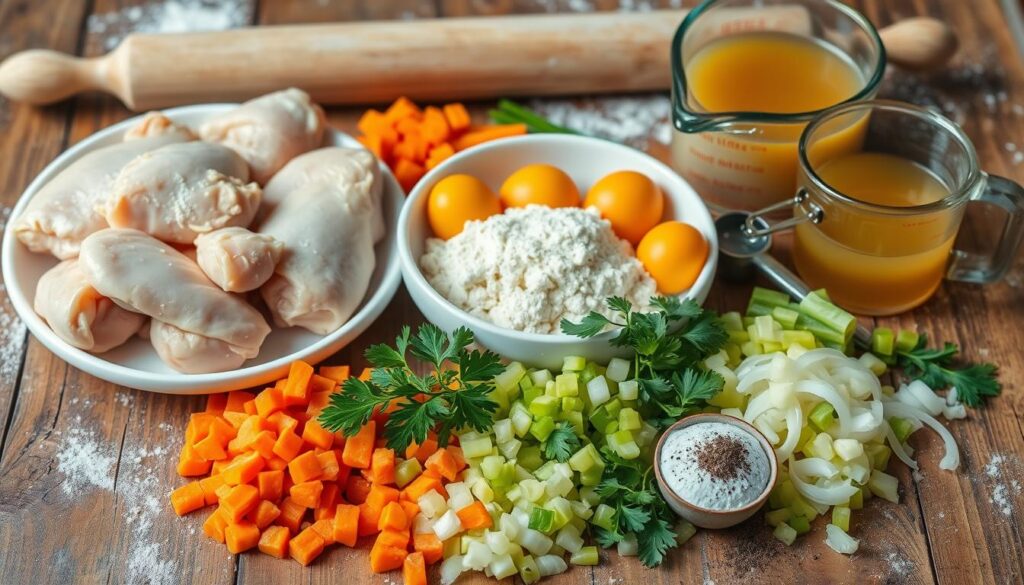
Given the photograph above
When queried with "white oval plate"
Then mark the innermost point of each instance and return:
(135, 364)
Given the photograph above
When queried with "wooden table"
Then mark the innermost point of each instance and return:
(86, 466)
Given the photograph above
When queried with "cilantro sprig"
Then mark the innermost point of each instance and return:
(668, 342)
(936, 368)
(445, 399)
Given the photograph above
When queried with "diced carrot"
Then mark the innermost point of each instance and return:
(369, 519)
(238, 502)
(407, 126)
(215, 403)
(222, 491)
(381, 495)
(209, 485)
(346, 524)
(243, 469)
(386, 558)
(306, 546)
(408, 173)
(395, 538)
(274, 541)
(235, 419)
(296, 391)
(357, 490)
(251, 427)
(337, 373)
(475, 516)
(444, 464)
(365, 374)
(438, 154)
(250, 407)
(281, 421)
(483, 134)
(270, 484)
(263, 443)
(236, 401)
(424, 451)
(413, 147)
(359, 448)
(372, 122)
(241, 536)
(318, 383)
(222, 430)
(382, 466)
(307, 493)
(420, 486)
(414, 569)
(329, 465)
(456, 453)
(269, 401)
(434, 127)
(236, 447)
(457, 117)
(288, 445)
(402, 108)
(215, 525)
(325, 528)
(430, 545)
(218, 466)
(291, 515)
(188, 498)
(317, 402)
(275, 463)
(190, 464)
(316, 435)
(264, 514)
(328, 500)
(210, 448)
(393, 517)
(305, 467)
(411, 509)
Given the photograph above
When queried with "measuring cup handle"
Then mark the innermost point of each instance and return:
(985, 268)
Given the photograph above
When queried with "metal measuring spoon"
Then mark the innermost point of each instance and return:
(741, 256)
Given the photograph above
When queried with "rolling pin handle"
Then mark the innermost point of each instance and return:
(40, 76)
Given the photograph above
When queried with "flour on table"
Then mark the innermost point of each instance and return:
(633, 120)
(528, 269)
(86, 462)
(1003, 474)
(13, 333)
(169, 16)
(142, 500)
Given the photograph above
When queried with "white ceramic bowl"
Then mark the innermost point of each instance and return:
(585, 160)
(135, 364)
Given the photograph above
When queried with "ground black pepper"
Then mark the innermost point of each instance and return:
(723, 457)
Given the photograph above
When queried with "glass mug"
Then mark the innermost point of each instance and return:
(746, 160)
(873, 256)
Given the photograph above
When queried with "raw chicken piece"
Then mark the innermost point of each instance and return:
(155, 124)
(327, 262)
(179, 191)
(236, 259)
(192, 353)
(80, 315)
(269, 131)
(147, 276)
(354, 170)
(64, 211)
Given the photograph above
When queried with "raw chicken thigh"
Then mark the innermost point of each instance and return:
(155, 124)
(236, 259)
(64, 211)
(192, 353)
(328, 258)
(354, 170)
(147, 276)
(179, 191)
(79, 314)
(269, 131)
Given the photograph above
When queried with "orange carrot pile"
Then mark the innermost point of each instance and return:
(413, 140)
(282, 483)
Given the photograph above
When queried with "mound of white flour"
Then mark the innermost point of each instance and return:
(529, 268)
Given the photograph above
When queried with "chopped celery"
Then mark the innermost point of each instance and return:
(585, 556)
(879, 455)
(531, 394)
(571, 403)
(739, 336)
(907, 340)
(820, 309)
(729, 398)
(771, 346)
(573, 363)
(848, 449)
(732, 321)
(541, 377)
(562, 510)
(407, 471)
(503, 431)
(804, 339)
(544, 471)
(871, 362)
(884, 486)
(542, 428)
(569, 538)
(530, 457)
(629, 390)
(841, 517)
(882, 341)
(901, 427)
(590, 371)
(857, 501)
(604, 517)
(785, 533)
(768, 298)
(528, 570)
(544, 406)
(802, 507)
(510, 377)
(776, 517)
(684, 532)
(766, 329)
(750, 348)
(477, 447)
(541, 519)
(483, 491)
(491, 466)
(785, 316)
(585, 458)
(799, 523)
(820, 330)
(592, 476)
(618, 370)
(823, 446)
(598, 391)
(613, 407)
(567, 385)
(629, 420)
(821, 416)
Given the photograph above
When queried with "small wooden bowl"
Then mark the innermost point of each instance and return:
(706, 517)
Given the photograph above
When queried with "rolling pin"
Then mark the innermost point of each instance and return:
(431, 60)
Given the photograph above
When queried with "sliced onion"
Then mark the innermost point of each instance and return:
(794, 424)
(898, 450)
(932, 402)
(833, 495)
(951, 460)
(831, 395)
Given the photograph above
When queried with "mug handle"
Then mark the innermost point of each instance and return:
(986, 268)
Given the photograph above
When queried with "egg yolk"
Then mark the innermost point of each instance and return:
(539, 184)
(456, 199)
(674, 254)
(630, 201)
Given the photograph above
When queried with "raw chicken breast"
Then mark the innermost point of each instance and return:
(269, 131)
(179, 191)
(79, 314)
(64, 211)
(327, 262)
(191, 353)
(354, 170)
(236, 259)
(155, 124)
(147, 276)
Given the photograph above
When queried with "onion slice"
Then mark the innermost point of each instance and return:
(951, 460)
(833, 495)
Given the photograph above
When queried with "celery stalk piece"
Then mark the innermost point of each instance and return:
(406, 471)
(841, 517)
(558, 485)
(765, 327)
(521, 419)
(871, 361)
(684, 532)
(535, 542)
(629, 420)
(432, 504)
(592, 476)
(562, 510)
(882, 341)
(907, 340)
(732, 321)
(544, 406)
(879, 455)
(785, 533)
(542, 428)
(848, 449)
(573, 363)
(771, 346)
(833, 317)
(598, 391)
(613, 407)
(451, 568)
(739, 337)
(448, 525)
(528, 570)
(785, 316)
(586, 555)
(604, 517)
(477, 556)
(800, 524)
(758, 309)
(541, 377)
(768, 297)
(629, 390)
(750, 348)
(821, 416)
(857, 501)
(567, 385)
(491, 466)
(509, 378)
(541, 519)
(503, 431)
(531, 394)
(776, 517)
(501, 566)
(884, 486)
(618, 370)
(569, 538)
(585, 458)
(820, 330)
(823, 446)
(902, 428)
(510, 449)
(804, 339)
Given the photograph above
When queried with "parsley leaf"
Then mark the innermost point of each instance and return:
(561, 443)
(935, 367)
(445, 400)
(656, 539)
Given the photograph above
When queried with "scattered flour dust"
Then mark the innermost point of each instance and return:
(1003, 476)
(899, 565)
(169, 16)
(86, 462)
(13, 333)
(634, 120)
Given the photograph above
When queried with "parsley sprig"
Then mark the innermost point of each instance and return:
(446, 399)
(936, 368)
(561, 443)
(669, 342)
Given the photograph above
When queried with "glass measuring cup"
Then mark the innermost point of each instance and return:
(746, 160)
(879, 259)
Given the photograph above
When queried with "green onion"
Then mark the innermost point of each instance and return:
(510, 112)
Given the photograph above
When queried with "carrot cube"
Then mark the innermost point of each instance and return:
(280, 421)
(422, 452)
(215, 403)
(325, 528)
(190, 464)
(346, 524)
(222, 491)
(393, 517)
(420, 486)
(215, 525)
(382, 466)
(381, 495)
(263, 443)
(269, 401)
(270, 484)
(369, 519)
(444, 464)
(210, 449)
(243, 469)
(357, 490)
(274, 541)
(434, 126)
(401, 109)
(250, 407)
(291, 515)
(430, 545)
(475, 516)
(316, 435)
(288, 445)
(408, 172)
(241, 536)
(329, 466)
(414, 569)
(307, 493)
(209, 486)
(439, 154)
(305, 467)
(359, 448)
(318, 383)
(236, 401)
(296, 390)
(395, 538)
(188, 498)
(372, 122)
(306, 546)
(386, 558)
(222, 430)
(235, 419)
(238, 502)
(410, 508)
(457, 116)
(336, 373)
(264, 514)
